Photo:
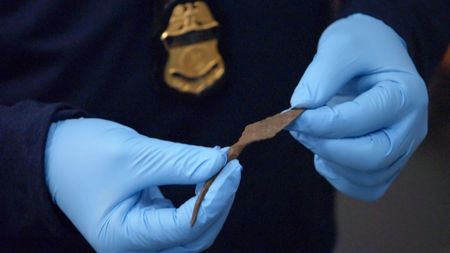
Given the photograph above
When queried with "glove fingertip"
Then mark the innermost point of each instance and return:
(217, 160)
(223, 151)
(306, 123)
(301, 97)
(207, 163)
(220, 157)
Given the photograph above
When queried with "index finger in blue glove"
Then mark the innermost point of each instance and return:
(158, 162)
(375, 109)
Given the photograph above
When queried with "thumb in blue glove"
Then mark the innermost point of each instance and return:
(105, 177)
(367, 106)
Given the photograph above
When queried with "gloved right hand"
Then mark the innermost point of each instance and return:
(367, 106)
(105, 177)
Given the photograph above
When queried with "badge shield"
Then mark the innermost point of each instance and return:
(194, 63)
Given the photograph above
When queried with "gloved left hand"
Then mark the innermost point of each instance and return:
(105, 176)
(367, 106)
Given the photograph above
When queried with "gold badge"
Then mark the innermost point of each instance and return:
(194, 63)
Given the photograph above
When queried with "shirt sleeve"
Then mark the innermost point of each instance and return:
(27, 211)
(423, 24)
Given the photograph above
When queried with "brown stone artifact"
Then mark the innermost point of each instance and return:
(258, 131)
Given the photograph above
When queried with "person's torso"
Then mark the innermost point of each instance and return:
(99, 56)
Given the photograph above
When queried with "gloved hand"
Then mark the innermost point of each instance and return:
(105, 177)
(367, 106)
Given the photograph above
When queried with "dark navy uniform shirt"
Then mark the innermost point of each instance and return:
(63, 59)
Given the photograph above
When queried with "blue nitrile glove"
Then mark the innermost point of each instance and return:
(367, 106)
(105, 177)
